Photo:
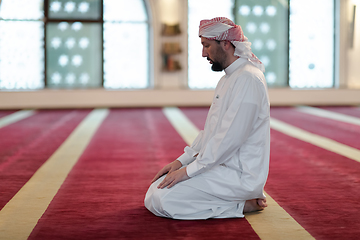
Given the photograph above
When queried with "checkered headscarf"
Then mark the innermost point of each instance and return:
(222, 28)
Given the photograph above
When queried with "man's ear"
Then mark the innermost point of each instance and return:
(226, 45)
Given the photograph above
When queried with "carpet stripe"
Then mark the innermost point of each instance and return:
(316, 140)
(274, 222)
(328, 114)
(4, 113)
(342, 132)
(347, 110)
(21, 213)
(186, 129)
(14, 117)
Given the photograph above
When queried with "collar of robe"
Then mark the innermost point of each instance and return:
(235, 65)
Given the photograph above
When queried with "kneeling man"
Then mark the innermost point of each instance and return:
(223, 173)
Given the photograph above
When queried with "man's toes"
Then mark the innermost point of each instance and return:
(262, 203)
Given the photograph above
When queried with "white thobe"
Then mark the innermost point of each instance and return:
(232, 151)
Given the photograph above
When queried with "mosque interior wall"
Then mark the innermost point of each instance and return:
(170, 88)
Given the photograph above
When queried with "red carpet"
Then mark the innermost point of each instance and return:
(342, 132)
(102, 198)
(319, 189)
(27, 144)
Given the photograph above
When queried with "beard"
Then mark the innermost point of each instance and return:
(216, 66)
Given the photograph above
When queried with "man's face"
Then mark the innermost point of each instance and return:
(214, 53)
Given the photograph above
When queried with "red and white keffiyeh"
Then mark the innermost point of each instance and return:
(221, 29)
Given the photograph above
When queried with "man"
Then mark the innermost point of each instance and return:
(223, 173)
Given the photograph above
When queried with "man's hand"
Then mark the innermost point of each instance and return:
(171, 167)
(173, 178)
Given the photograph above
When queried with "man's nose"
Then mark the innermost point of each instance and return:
(204, 53)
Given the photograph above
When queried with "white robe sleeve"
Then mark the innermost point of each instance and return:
(190, 152)
(235, 127)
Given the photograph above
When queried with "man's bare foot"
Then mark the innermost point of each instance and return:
(255, 205)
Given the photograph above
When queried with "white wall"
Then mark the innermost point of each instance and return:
(170, 12)
(354, 51)
(171, 88)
